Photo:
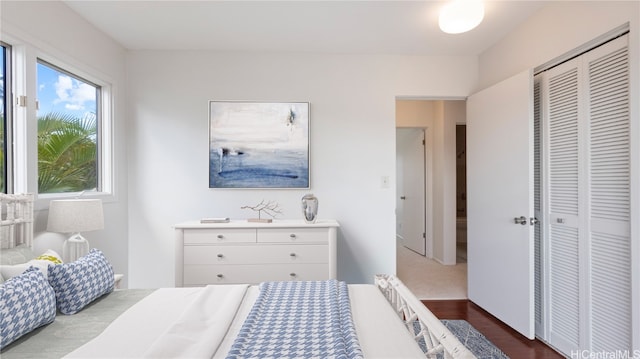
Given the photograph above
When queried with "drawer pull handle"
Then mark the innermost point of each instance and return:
(220, 276)
(293, 275)
(220, 256)
(292, 255)
(292, 235)
(220, 236)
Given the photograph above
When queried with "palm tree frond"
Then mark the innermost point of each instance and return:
(67, 153)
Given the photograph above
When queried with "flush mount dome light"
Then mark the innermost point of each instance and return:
(459, 16)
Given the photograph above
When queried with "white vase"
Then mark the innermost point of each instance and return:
(309, 208)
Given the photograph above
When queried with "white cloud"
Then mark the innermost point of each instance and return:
(73, 107)
(84, 93)
(73, 93)
(63, 86)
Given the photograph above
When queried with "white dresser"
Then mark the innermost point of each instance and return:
(250, 252)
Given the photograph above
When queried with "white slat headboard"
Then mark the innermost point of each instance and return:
(16, 220)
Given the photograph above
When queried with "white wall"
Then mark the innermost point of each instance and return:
(555, 30)
(444, 182)
(454, 113)
(352, 144)
(57, 31)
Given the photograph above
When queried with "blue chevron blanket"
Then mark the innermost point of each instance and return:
(299, 320)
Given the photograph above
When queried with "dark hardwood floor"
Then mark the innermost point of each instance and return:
(512, 343)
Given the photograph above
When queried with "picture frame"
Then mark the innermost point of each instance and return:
(259, 145)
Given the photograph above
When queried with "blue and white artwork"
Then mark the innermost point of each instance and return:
(258, 144)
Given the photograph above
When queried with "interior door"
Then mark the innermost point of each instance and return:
(500, 193)
(410, 150)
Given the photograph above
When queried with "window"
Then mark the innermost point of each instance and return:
(68, 131)
(5, 105)
(56, 136)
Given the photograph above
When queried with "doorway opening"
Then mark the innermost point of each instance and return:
(436, 273)
(461, 194)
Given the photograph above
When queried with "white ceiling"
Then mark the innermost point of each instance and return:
(349, 27)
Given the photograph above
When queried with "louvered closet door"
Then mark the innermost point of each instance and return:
(586, 129)
(562, 114)
(607, 70)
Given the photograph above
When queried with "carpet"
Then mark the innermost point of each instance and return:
(477, 343)
(443, 282)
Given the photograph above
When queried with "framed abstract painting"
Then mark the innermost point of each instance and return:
(258, 144)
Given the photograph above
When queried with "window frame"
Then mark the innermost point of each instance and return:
(99, 115)
(8, 118)
(25, 57)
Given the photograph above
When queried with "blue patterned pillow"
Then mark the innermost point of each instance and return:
(78, 283)
(27, 301)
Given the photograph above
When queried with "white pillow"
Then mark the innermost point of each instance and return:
(8, 271)
(41, 263)
(16, 255)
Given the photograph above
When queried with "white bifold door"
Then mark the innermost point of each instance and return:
(586, 242)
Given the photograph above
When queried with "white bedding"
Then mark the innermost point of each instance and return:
(171, 323)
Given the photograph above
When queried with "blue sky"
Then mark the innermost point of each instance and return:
(59, 92)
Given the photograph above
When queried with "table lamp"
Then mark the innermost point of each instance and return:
(75, 216)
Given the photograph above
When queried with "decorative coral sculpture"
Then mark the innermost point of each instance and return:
(270, 208)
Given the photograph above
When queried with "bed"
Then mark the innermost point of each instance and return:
(273, 319)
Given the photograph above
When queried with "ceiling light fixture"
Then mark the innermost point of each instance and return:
(459, 16)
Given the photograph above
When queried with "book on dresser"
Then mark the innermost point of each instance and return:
(215, 220)
(239, 251)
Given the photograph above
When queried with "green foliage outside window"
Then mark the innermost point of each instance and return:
(67, 153)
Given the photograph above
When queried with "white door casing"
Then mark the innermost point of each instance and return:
(500, 188)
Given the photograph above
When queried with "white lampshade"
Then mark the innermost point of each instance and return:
(459, 16)
(75, 215)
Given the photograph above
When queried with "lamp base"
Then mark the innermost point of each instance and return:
(74, 247)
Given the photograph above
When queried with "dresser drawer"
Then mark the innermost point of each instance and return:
(292, 235)
(219, 236)
(258, 254)
(203, 274)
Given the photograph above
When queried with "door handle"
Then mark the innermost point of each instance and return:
(520, 220)
(524, 221)
(403, 197)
